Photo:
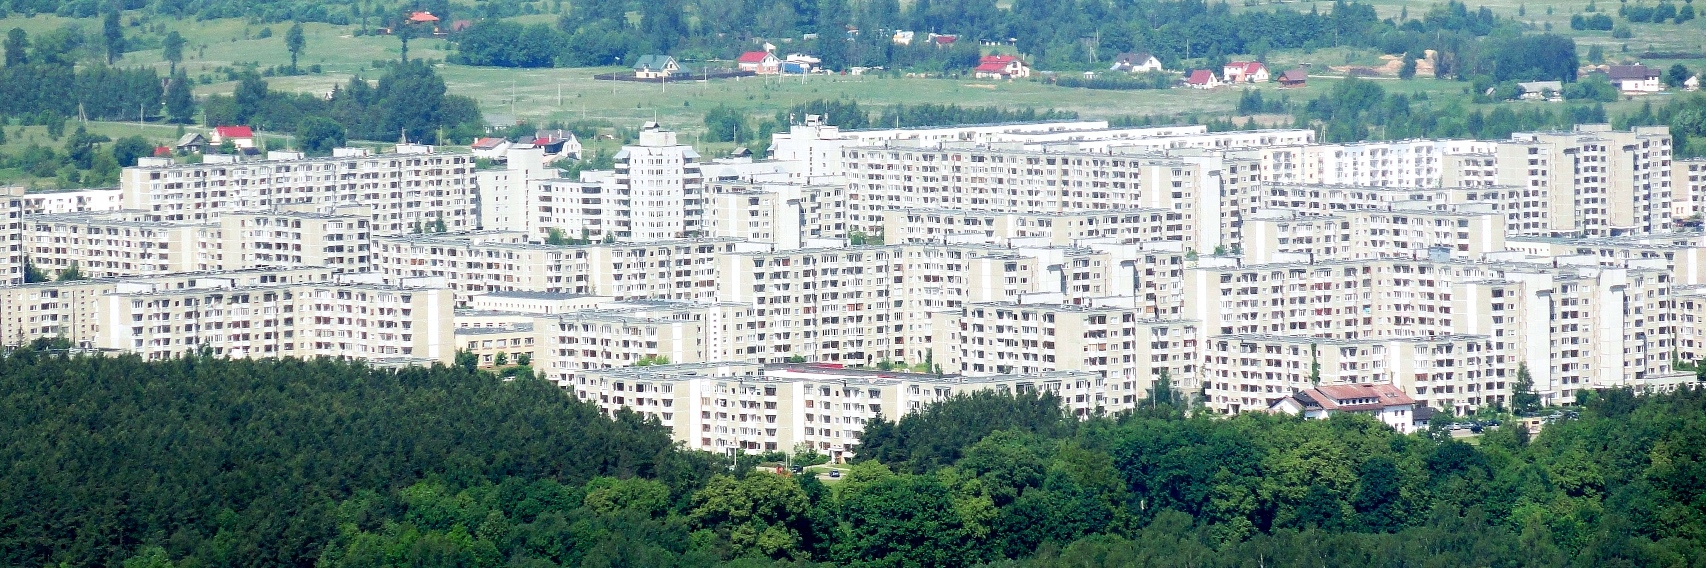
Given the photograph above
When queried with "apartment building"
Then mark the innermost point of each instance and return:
(73, 201)
(1594, 181)
(412, 190)
(119, 243)
(659, 186)
(70, 309)
(12, 236)
(785, 215)
(1058, 229)
(750, 408)
(342, 242)
(1116, 344)
(378, 323)
(1253, 372)
(1007, 178)
(648, 333)
(1688, 182)
(1403, 231)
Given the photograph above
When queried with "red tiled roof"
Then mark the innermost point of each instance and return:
(1358, 397)
(162, 151)
(752, 57)
(422, 17)
(487, 143)
(1200, 77)
(234, 132)
(946, 39)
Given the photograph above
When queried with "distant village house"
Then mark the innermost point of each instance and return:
(655, 67)
(1635, 78)
(1202, 79)
(760, 62)
(1136, 63)
(1001, 67)
(1245, 72)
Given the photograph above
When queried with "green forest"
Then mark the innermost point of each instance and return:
(203, 461)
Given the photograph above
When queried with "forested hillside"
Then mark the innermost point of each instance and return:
(264, 463)
(210, 462)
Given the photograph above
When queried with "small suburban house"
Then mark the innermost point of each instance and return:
(1692, 84)
(557, 144)
(1635, 78)
(240, 136)
(426, 19)
(1202, 79)
(1136, 63)
(1001, 67)
(655, 67)
(191, 143)
(1541, 90)
(490, 148)
(1384, 402)
(760, 62)
(1294, 78)
(1245, 72)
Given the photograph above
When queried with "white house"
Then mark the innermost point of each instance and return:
(1384, 402)
(1136, 63)
(1202, 79)
(655, 67)
(1245, 72)
(1635, 78)
(1001, 67)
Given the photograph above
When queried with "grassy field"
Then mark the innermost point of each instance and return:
(543, 95)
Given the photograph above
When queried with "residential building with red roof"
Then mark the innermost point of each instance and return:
(1384, 402)
(242, 137)
(760, 62)
(1202, 79)
(1245, 72)
(1001, 67)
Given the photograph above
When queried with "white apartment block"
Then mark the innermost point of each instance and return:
(1071, 257)
(1594, 181)
(132, 243)
(1057, 229)
(750, 408)
(498, 261)
(1003, 178)
(12, 236)
(1399, 232)
(67, 309)
(407, 191)
(1252, 372)
(785, 215)
(375, 323)
(1116, 344)
(658, 183)
(120, 243)
(75, 201)
(1688, 182)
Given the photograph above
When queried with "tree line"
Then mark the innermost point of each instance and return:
(409, 100)
(1070, 35)
(204, 461)
(724, 124)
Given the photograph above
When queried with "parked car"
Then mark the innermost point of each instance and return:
(835, 473)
